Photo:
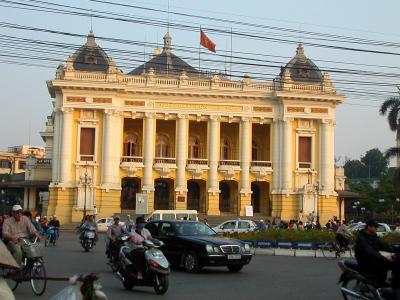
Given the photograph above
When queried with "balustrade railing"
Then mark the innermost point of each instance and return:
(134, 159)
(165, 160)
(144, 80)
(197, 161)
(260, 163)
(226, 162)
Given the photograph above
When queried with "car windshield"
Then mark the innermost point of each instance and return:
(193, 228)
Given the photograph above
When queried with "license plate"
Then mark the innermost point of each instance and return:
(234, 256)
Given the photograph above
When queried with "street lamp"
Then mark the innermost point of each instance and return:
(317, 188)
(86, 180)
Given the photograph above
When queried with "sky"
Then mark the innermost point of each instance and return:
(25, 101)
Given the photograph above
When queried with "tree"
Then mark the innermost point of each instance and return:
(375, 163)
(391, 107)
(355, 169)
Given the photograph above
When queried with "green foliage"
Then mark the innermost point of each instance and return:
(355, 169)
(287, 235)
(375, 162)
(371, 165)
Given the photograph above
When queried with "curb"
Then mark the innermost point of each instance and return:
(292, 252)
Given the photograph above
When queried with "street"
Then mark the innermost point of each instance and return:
(272, 277)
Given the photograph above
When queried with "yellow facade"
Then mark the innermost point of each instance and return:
(205, 143)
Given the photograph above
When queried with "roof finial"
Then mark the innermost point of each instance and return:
(91, 41)
(300, 50)
(167, 42)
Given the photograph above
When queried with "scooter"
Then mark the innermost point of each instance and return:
(51, 236)
(113, 254)
(356, 286)
(89, 236)
(156, 271)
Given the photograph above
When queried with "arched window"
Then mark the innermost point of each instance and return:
(194, 151)
(224, 149)
(131, 145)
(254, 151)
(162, 146)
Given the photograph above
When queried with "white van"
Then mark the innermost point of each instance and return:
(173, 215)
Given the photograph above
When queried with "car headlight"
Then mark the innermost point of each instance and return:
(247, 247)
(216, 249)
(210, 249)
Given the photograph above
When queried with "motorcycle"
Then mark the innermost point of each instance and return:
(113, 252)
(356, 286)
(51, 236)
(88, 238)
(156, 271)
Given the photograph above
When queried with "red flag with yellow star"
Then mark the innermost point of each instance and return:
(206, 42)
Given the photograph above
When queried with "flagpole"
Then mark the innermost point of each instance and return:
(230, 66)
(199, 52)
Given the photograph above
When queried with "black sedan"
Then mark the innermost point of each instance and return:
(194, 245)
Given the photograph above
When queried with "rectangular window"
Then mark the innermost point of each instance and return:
(5, 164)
(87, 141)
(22, 165)
(305, 152)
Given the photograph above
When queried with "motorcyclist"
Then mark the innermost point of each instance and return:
(90, 222)
(15, 227)
(114, 232)
(137, 237)
(373, 265)
(56, 224)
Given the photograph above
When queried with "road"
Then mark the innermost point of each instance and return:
(267, 277)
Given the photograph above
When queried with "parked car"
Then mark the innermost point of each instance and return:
(236, 226)
(383, 228)
(170, 214)
(194, 245)
(104, 223)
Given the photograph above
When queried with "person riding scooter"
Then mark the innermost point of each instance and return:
(373, 265)
(90, 222)
(137, 237)
(114, 232)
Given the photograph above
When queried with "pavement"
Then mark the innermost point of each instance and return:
(273, 277)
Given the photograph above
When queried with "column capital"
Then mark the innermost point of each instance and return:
(214, 118)
(150, 115)
(330, 122)
(66, 110)
(287, 119)
(113, 112)
(182, 116)
(246, 119)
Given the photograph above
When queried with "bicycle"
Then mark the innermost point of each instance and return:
(33, 268)
(334, 250)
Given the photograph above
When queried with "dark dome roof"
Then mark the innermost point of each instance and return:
(91, 57)
(302, 68)
(166, 63)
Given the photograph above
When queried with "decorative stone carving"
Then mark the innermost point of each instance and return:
(261, 172)
(197, 170)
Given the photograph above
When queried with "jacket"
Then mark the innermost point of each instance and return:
(371, 263)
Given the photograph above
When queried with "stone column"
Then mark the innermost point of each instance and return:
(66, 145)
(56, 146)
(181, 157)
(245, 189)
(245, 156)
(111, 148)
(287, 164)
(148, 155)
(213, 158)
(276, 176)
(327, 164)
